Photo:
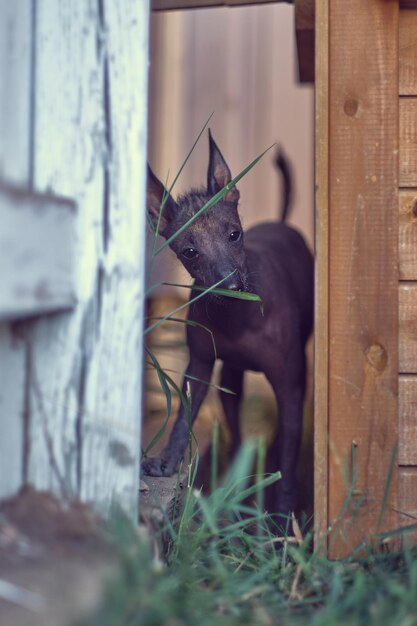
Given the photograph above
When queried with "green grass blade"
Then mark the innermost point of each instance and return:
(218, 196)
(214, 456)
(165, 381)
(162, 379)
(387, 485)
(189, 153)
(188, 323)
(229, 293)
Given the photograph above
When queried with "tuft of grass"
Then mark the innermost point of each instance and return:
(228, 566)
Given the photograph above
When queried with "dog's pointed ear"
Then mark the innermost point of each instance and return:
(218, 174)
(155, 192)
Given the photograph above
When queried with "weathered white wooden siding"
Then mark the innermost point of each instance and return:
(77, 397)
(37, 273)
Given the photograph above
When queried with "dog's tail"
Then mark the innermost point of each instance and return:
(284, 167)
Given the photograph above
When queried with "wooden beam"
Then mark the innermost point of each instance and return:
(170, 5)
(321, 330)
(305, 36)
(37, 240)
(363, 268)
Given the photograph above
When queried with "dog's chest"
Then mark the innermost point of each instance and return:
(241, 348)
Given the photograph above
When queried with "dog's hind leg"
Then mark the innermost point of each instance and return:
(232, 380)
(283, 452)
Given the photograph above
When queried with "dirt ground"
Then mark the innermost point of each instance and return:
(53, 560)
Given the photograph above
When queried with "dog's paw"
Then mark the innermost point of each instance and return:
(158, 466)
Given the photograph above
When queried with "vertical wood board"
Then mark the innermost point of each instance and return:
(408, 142)
(305, 36)
(407, 238)
(407, 501)
(408, 53)
(12, 406)
(407, 449)
(15, 90)
(117, 363)
(408, 328)
(15, 165)
(321, 329)
(363, 306)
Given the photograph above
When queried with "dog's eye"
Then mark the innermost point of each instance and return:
(189, 253)
(235, 235)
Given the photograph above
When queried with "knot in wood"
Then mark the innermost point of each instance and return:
(351, 106)
(376, 356)
(414, 208)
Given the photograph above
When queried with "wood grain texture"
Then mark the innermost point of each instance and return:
(12, 407)
(407, 501)
(363, 305)
(407, 238)
(167, 5)
(408, 328)
(15, 91)
(15, 165)
(408, 53)
(305, 36)
(37, 239)
(321, 327)
(408, 142)
(407, 449)
(84, 369)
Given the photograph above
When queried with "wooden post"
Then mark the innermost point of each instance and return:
(321, 328)
(361, 382)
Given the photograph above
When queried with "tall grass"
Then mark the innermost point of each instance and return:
(226, 565)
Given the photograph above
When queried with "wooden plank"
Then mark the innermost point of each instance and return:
(111, 447)
(15, 91)
(407, 238)
(321, 328)
(408, 142)
(407, 449)
(363, 306)
(37, 240)
(15, 165)
(169, 5)
(90, 142)
(305, 35)
(407, 501)
(12, 404)
(408, 327)
(408, 53)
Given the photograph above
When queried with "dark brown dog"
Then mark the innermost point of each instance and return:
(271, 260)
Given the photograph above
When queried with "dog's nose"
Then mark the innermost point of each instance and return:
(234, 286)
(233, 283)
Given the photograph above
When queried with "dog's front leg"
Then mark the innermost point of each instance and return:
(195, 386)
